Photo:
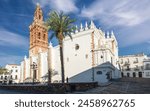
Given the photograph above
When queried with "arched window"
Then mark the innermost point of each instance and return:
(44, 37)
(39, 34)
(39, 17)
(11, 77)
(99, 72)
(16, 77)
(5, 77)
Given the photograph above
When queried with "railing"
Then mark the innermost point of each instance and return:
(127, 69)
(135, 62)
(146, 68)
(127, 63)
(136, 69)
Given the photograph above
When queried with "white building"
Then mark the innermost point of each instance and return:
(146, 63)
(135, 66)
(92, 55)
(13, 74)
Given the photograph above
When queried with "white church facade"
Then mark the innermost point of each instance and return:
(92, 55)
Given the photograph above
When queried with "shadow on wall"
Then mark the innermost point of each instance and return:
(101, 74)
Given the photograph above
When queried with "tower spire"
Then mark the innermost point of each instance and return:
(76, 31)
(81, 27)
(38, 15)
(86, 25)
(112, 34)
(92, 25)
(107, 34)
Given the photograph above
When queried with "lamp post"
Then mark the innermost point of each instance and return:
(34, 67)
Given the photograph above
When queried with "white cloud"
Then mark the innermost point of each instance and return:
(9, 59)
(11, 39)
(130, 18)
(66, 6)
(117, 12)
(128, 36)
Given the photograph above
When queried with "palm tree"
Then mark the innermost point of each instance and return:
(61, 25)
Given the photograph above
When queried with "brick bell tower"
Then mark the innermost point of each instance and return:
(38, 34)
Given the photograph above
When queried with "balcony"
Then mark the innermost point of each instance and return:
(121, 62)
(135, 62)
(147, 68)
(127, 64)
(136, 69)
(128, 69)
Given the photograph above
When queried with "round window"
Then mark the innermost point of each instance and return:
(76, 47)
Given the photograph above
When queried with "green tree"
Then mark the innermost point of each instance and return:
(3, 70)
(61, 25)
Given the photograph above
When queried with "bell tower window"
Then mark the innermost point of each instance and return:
(39, 17)
(39, 34)
(44, 37)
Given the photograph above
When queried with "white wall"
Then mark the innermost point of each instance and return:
(75, 60)
(44, 64)
(132, 64)
(14, 71)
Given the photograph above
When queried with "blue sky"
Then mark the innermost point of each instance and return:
(130, 20)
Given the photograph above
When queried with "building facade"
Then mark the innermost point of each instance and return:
(135, 66)
(12, 75)
(146, 63)
(92, 55)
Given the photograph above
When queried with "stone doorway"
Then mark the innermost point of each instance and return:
(140, 74)
(128, 74)
(122, 75)
(134, 74)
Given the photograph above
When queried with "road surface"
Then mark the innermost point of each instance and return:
(2, 91)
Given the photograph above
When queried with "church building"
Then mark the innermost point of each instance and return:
(92, 55)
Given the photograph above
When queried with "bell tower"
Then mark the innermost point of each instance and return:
(38, 34)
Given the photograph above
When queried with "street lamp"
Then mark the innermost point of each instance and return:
(34, 67)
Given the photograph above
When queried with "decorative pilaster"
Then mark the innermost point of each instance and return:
(39, 67)
(24, 70)
(93, 55)
(31, 70)
(50, 62)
